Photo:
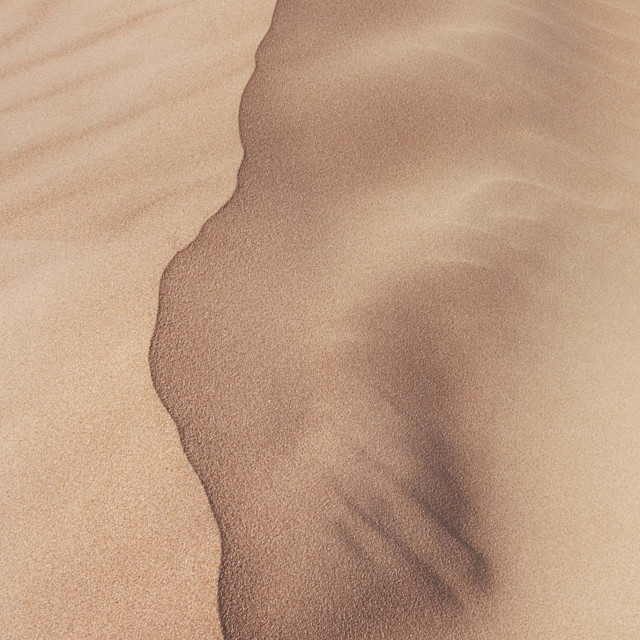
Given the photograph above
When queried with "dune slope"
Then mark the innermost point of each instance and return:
(380, 352)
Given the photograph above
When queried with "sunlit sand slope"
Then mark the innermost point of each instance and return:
(118, 139)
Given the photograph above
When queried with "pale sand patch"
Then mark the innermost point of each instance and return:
(118, 139)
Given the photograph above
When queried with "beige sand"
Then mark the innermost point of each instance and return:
(449, 189)
(118, 139)
(404, 359)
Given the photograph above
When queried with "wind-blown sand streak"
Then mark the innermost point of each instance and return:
(380, 353)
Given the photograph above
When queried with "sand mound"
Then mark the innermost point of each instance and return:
(380, 353)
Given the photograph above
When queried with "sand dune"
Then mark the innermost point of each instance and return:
(403, 358)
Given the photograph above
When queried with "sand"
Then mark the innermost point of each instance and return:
(118, 139)
(402, 360)
(404, 357)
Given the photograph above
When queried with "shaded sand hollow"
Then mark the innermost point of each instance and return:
(404, 358)
(118, 139)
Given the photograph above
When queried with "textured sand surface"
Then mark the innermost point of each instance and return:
(404, 359)
(118, 139)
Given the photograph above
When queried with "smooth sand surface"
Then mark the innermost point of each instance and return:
(404, 359)
(118, 139)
